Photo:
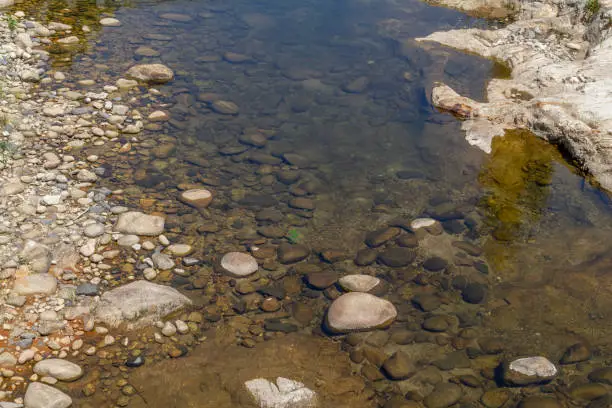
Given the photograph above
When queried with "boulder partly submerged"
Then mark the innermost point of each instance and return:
(358, 311)
(138, 304)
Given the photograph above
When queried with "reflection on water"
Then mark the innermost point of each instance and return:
(330, 135)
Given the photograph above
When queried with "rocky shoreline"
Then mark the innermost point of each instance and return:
(61, 237)
(559, 54)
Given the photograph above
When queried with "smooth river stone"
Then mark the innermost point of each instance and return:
(422, 223)
(39, 395)
(137, 223)
(110, 22)
(57, 368)
(239, 264)
(198, 198)
(358, 283)
(151, 73)
(357, 311)
(37, 284)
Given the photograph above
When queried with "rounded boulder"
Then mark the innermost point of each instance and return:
(239, 264)
(358, 311)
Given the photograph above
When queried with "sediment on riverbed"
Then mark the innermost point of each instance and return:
(560, 54)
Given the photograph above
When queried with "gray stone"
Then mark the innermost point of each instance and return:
(38, 284)
(139, 304)
(137, 223)
(63, 370)
(162, 261)
(151, 73)
(39, 395)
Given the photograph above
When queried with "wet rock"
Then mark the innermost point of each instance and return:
(435, 264)
(426, 302)
(275, 325)
(177, 17)
(379, 237)
(408, 241)
(7, 359)
(138, 303)
(322, 280)
(396, 257)
(358, 283)
(356, 311)
(63, 370)
(134, 362)
(436, 324)
(602, 375)
(474, 293)
(495, 398)
(93, 230)
(285, 393)
(137, 223)
(39, 284)
(365, 257)
(399, 366)
(356, 86)
(236, 58)
(443, 395)
(239, 264)
(422, 223)
(87, 289)
(576, 353)
(39, 395)
(151, 73)
(288, 253)
(468, 248)
(587, 392)
(162, 261)
(528, 370)
(539, 402)
(225, 107)
(302, 203)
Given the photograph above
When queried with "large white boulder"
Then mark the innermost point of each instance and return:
(138, 304)
(357, 311)
(285, 393)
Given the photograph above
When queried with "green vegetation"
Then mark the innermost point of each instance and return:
(294, 236)
(591, 8)
(12, 23)
(7, 150)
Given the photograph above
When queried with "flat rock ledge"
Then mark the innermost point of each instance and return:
(138, 304)
(559, 86)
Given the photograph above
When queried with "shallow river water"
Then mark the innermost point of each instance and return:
(329, 136)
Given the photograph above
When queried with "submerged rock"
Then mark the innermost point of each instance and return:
(239, 264)
(358, 283)
(151, 73)
(138, 223)
(529, 370)
(356, 311)
(138, 304)
(39, 395)
(198, 198)
(285, 393)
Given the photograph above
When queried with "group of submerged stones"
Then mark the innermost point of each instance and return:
(60, 302)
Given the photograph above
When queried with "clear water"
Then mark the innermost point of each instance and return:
(374, 151)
